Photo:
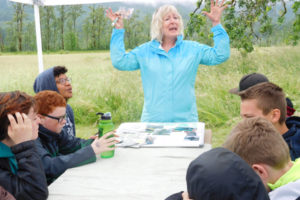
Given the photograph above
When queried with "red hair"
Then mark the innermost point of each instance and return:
(47, 101)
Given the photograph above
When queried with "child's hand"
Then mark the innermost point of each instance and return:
(93, 137)
(103, 144)
(21, 130)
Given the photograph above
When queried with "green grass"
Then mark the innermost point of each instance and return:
(97, 86)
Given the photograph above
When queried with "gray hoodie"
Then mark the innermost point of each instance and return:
(46, 81)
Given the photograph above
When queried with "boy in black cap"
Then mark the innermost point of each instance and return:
(267, 100)
(221, 174)
(252, 79)
(248, 81)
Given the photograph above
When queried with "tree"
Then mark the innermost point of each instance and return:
(95, 28)
(137, 30)
(29, 37)
(62, 19)
(90, 27)
(295, 36)
(73, 13)
(48, 20)
(10, 39)
(245, 21)
(1, 39)
(71, 40)
(18, 20)
(101, 31)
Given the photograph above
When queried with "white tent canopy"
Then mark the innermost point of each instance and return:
(37, 3)
(62, 2)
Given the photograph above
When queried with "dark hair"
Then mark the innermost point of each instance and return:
(269, 96)
(48, 100)
(10, 103)
(58, 70)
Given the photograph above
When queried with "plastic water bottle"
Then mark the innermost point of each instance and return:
(105, 125)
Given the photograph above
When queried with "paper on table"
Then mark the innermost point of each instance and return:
(141, 134)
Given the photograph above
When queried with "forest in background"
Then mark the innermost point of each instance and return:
(85, 27)
(80, 27)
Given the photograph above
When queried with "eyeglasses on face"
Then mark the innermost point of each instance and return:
(59, 119)
(64, 80)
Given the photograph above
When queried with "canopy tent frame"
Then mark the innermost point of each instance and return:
(37, 3)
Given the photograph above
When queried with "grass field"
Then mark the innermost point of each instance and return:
(97, 86)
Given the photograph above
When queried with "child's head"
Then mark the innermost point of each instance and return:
(265, 100)
(221, 174)
(51, 110)
(12, 102)
(258, 142)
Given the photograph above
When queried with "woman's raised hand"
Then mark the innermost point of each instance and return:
(116, 18)
(216, 10)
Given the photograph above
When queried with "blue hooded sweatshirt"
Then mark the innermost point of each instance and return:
(169, 77)
(46, 81)
(292, 136)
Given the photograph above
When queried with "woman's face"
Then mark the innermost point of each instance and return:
(35, 120)
(170, 27)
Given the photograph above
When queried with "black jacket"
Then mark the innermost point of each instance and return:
(292, 136)
(220, 174)
(29, 182)
(60, 152)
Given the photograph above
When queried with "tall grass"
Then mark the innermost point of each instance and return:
(97, 86)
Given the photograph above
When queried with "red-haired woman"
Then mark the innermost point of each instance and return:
(21, 170)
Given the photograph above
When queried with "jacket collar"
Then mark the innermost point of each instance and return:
(293, 120)
(155, 44)
(5, 152)
(46, 134)
(290, 176)
(293, 124)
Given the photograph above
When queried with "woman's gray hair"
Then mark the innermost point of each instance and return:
(157, 21)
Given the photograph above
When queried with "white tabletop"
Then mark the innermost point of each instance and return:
(145, 173)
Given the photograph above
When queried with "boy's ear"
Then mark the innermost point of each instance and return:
(275, 115)
(261, 171)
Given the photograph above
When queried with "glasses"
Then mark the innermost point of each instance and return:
(59, 119)
(64, 80)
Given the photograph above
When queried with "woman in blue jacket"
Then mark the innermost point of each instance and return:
(168, 63)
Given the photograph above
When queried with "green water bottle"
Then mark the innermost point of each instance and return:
(105, 125)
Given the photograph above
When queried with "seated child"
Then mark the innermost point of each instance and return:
(258, 142)
(21, 170)
(221, 174)
(57, 150)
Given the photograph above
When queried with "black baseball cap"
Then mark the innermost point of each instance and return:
(222, 174)
(249, 80)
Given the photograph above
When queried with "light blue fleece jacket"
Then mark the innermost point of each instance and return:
(169, 78)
